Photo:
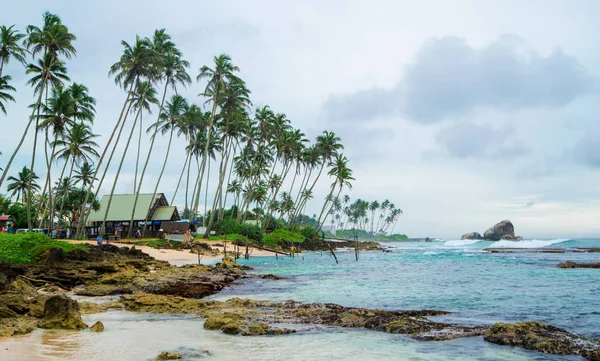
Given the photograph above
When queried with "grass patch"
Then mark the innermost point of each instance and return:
(280, 237)
(228, 237)
(157, 243)
(24, 248)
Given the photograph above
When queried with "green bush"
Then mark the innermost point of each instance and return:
(281, 236)
(309, 232)
(228, 237)
(25, 247)
(251, 231)
(227, 226)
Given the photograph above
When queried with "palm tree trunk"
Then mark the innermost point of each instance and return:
(180, 178)
(137, 193)
(82, 214)
(187, 183)
(65, 190)
(195, 188)
(218, 195)
(46, 182)
(137, 160)
(158, 181)
(112, 190)
(206, 195)
(221, 213)
(328, 200)
(50, 201)
(206, 147)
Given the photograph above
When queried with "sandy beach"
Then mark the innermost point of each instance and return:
(179, 257)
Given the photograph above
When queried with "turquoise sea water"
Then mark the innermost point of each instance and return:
(458, 276)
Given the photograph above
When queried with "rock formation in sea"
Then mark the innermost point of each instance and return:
(499, 231)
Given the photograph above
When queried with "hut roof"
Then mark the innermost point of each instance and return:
(121, 207)
(166, 213)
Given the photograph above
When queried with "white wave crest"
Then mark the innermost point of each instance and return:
(532, 243)
(461, 242)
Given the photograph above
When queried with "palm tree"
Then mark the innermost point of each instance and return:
(85, 175)
(234, 102)
(4, 96)
(217, 80)
(328, 145)
(172, 118)
(143, 99)
(77, 146)
(374, 206)
(171, 68)
(136, 62)
(343, 176)
(20, 185)
(54, 39)
(10, 39)
(48, 72)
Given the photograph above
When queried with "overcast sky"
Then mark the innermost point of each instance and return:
(462, 113)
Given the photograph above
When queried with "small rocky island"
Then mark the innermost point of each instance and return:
(500, 231)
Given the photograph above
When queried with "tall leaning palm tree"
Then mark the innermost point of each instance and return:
(217, 79)
(172, 119)
(170, 68)
(76, 147)
(55, 39)
(137, 62)
(343, 177)
(10, 47)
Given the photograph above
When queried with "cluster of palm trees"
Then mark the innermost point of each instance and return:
(265, 166)
(373, 217)
(61, 117)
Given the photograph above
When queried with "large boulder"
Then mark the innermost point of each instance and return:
(502, 230)
(472, 235)
(63, 313)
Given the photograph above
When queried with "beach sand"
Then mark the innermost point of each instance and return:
(179, 257)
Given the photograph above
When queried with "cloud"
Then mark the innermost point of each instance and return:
(470, 140)
(449, 78)
(586, 150)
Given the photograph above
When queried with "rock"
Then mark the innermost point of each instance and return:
(17, 326)
(472, 235)
(104, 290)
(97, 327)
(570, 264)
(169, 356)
(518, 238)
(541, 337)
(141, 302)
(63, 313)
(227, 322)
(88, 308)
(502, 230)
(257, 330)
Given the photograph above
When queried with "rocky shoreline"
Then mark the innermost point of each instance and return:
(33, 296)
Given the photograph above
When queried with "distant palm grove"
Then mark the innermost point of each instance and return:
(264, 168)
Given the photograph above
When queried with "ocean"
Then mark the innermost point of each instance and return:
(478, 287)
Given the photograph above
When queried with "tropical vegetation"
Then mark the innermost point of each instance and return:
(264, 169)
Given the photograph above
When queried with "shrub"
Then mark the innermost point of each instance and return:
(227, 226)
(25, 247)
(251, 231)
(281, 236)
(309, 233)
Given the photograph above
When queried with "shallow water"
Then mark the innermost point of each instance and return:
(478, 287)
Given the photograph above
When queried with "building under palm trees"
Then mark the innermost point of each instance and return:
(152, 210)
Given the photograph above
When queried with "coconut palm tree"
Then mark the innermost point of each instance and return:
(172, 119)
(20, 185)
(76, 146)
(136, 62)
(233, 104)
(85, 175)
(170, 68)
(54, 39)
(343, 177)
(49, 72)
(10, 48)
(217, 78)
(143, 99)
(4, 95)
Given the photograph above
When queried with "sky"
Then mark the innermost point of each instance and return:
(461, 113)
